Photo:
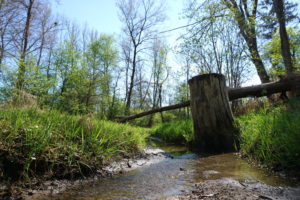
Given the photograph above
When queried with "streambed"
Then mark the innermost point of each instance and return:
(175, 176)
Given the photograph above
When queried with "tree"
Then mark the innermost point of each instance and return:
(101, 57)
(235, 58)
(218, 49)
(284, 39)
(33, 27)
(140, 18)
(47, 27)
(210, 16)
(160, 74)
(272, 52)
(8, 14)
(245, 15)
(24, 43)
(27, 37)
(269, 24)
(36, 81)
(67, 60)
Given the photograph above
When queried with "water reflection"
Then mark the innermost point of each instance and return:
(171, 176)
(231, 166)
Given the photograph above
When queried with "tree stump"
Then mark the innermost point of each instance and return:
(213, 120)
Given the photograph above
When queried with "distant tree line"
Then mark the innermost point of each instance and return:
(78, 70)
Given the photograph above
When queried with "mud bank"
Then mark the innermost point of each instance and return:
(171, 173)
(232, 189)
(41, 189)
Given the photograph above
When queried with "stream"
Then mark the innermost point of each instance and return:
(172, 176)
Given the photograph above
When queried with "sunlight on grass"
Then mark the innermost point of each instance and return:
(58, 142)
(272, 135)
(176, 132)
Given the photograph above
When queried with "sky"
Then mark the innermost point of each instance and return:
(102, 15)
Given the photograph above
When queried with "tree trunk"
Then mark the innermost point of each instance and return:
(247, 26)
(22, 64)
(290, 83)
(128, 103)
(256, 59)
(213, 120)
(284, 40)
(142, 114)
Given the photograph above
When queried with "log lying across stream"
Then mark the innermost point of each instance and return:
(286, 84)
(166, 108)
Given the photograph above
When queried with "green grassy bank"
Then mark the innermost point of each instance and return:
(272, 136)
(180, 132)
(55, 145)
(52, 144)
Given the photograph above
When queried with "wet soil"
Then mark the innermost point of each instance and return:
(179, 174)
(47, 189)
(172, 173)
(232, 189)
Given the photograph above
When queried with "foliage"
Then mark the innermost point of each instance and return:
(46, 142)
(36, 82)
(157, 118)
(176, 131)
(269, 22)
(272, 52)
(144, 121)
(272, 135)
(8, 83)
(215, 43)
(100, 58)
(182, 93)
(75, 81)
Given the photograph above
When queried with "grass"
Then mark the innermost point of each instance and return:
(269, 135)
(175, 132)
(35, 142)
(55, 145)
(272, 135)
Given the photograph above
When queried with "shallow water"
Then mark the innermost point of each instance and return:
(172, 176)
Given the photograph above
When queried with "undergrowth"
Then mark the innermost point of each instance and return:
(175, 132)
(49, 143)
(272, 135)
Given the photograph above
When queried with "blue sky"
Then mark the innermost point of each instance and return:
(102, 15)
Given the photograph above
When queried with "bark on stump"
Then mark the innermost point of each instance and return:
(213, 120)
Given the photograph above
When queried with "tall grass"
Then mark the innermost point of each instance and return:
(37, 142)
(272, 135)
(175, 132)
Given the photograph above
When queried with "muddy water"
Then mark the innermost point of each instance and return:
(172, 176)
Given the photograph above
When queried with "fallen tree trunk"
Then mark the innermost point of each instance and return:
(166, 108)
(286, 84)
